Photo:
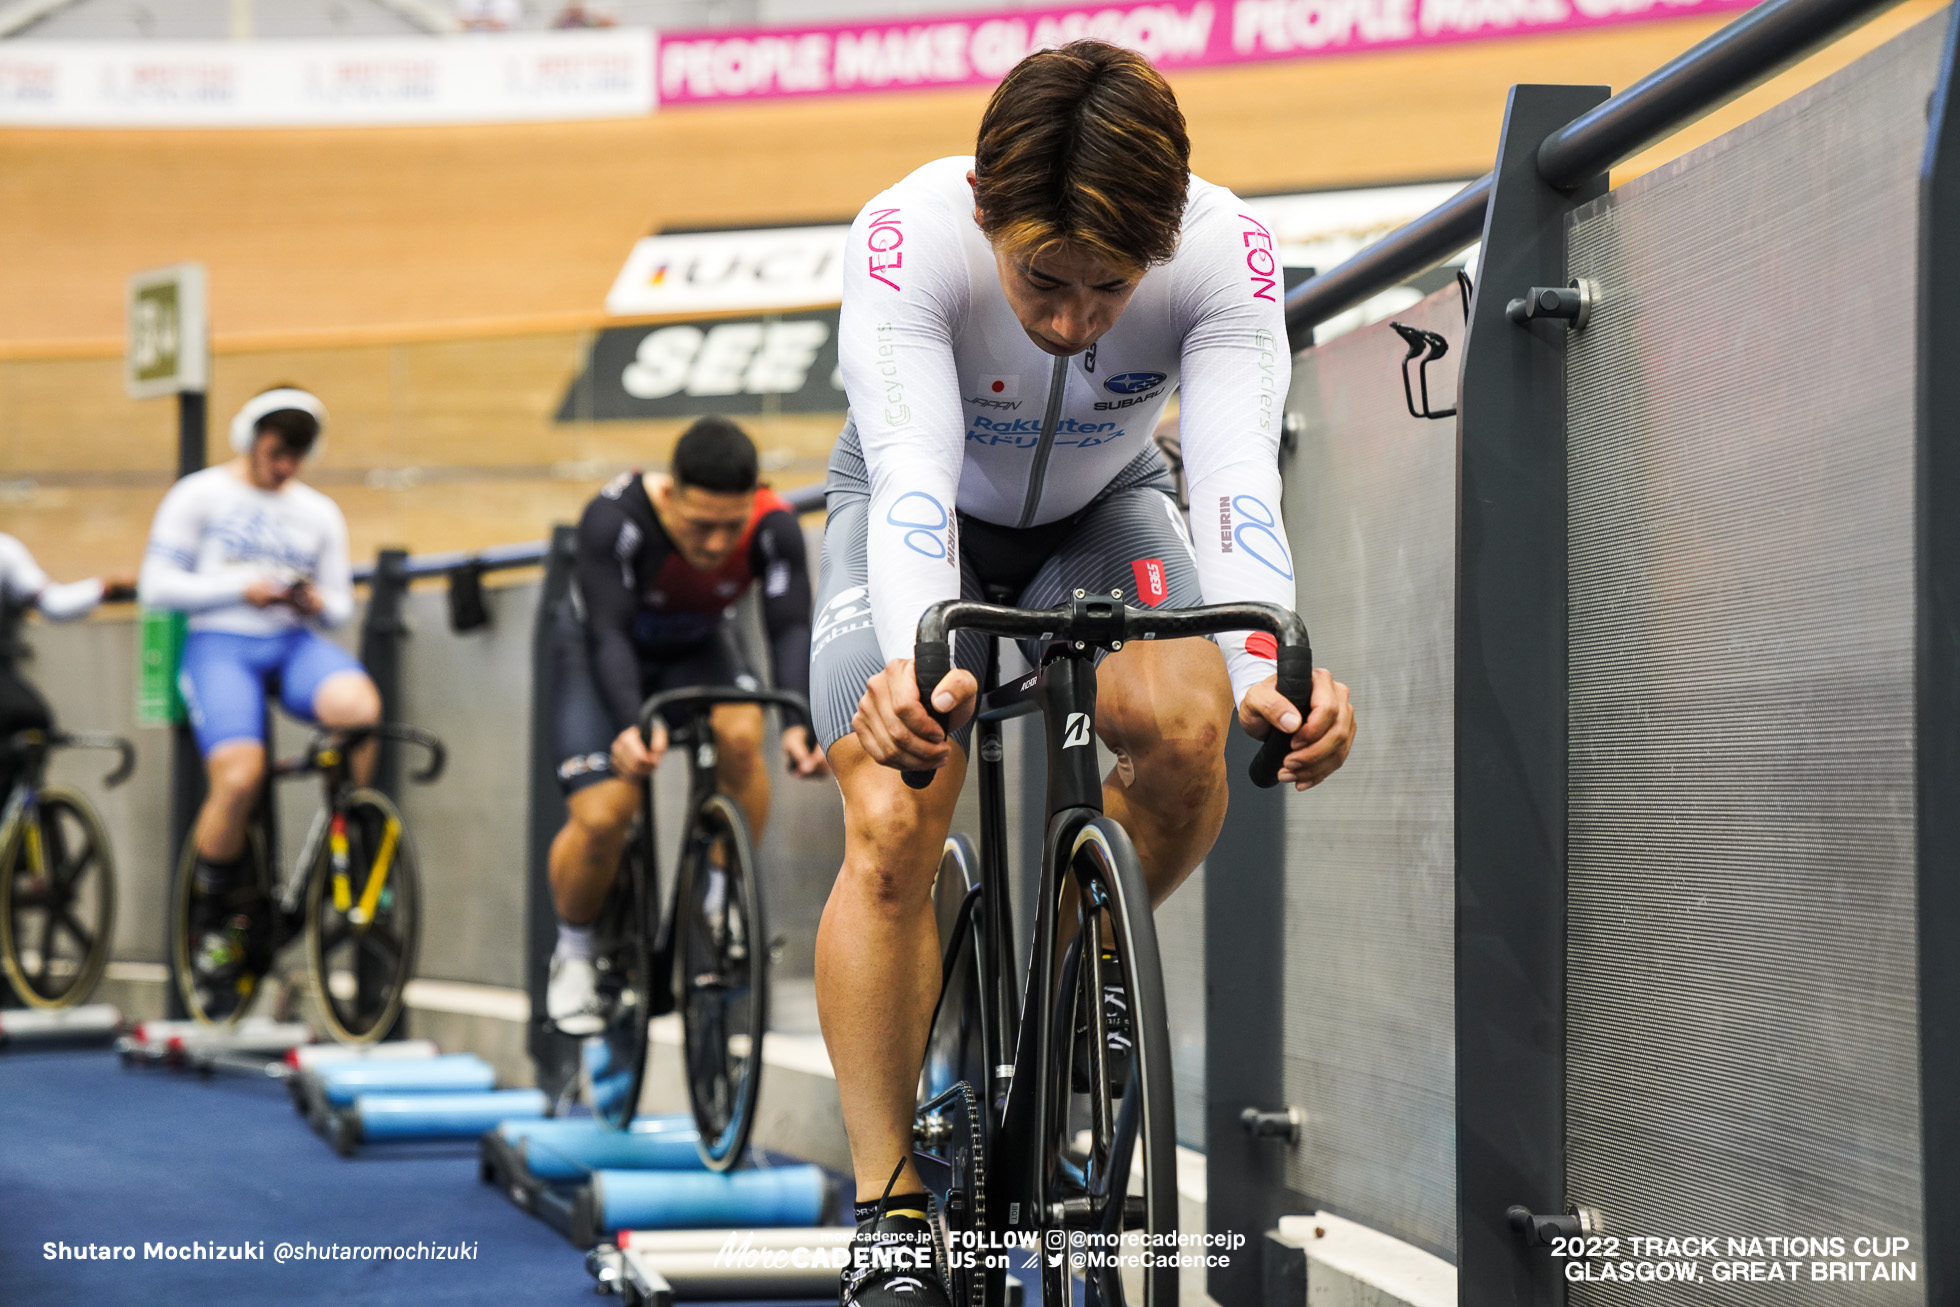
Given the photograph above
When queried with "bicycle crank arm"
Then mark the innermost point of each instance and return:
(1086, 1213)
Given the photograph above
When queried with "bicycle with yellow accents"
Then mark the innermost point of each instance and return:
(57, 875)
(354, 898)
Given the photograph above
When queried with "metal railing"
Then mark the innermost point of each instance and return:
(1749, 51)
(532, 553)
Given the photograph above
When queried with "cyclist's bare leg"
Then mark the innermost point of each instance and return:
(878, 955)
(739, 770)
(348, 699)
(585, 853)
(1165, 705)
(233, 771)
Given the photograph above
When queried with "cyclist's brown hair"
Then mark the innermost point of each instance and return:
(1083, 147)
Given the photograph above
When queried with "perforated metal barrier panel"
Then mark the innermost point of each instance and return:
(1370, 900)
(1741, 1037)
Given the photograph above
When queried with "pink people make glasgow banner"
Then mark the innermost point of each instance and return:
(723, 65)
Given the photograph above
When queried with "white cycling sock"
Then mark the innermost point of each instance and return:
(574, 941)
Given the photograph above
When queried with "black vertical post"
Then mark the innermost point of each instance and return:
(1245, 985)
(382, 630)
(1511, 723)
(1937, 604)
(186, 764)
(554, 1057)
(381, 653)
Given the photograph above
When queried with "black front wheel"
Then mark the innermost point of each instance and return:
(363, 919)
(57, 901)
(722, 979)
(1110, 1145)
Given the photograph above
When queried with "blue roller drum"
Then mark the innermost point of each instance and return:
(571, 1150)
(457, 1074)
(442, 1116)
(683, 1200)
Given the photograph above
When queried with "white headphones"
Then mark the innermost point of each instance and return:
(244, 427)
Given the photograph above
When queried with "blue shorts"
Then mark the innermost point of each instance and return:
(223, 680)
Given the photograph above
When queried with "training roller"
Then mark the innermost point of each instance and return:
(315, 1057)
(308, 1064)
(460, 1073)
(673, 1200)
(181, 1043)
(572, 1149)
(92, 1023)
(428, 1116)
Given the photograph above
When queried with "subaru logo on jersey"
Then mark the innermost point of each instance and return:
(1130, 383)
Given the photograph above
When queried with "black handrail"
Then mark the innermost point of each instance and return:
(1430, 239)
(500, 558)
(1755, 47)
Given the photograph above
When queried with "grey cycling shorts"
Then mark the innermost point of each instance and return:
(1130, 538)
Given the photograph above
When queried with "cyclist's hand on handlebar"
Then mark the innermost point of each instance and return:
(894, 727)
(805, 758)
(1320, 743)
(632, 758)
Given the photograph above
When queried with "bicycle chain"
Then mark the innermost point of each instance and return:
(965, 1163)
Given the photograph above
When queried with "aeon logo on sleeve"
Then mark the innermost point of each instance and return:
(922, 518)
(1131, 383)
(883, 240)
(1260, 260)
(1151, 588)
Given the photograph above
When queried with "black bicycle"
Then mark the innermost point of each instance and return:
(354, 896)
(57, 875)
(1052, 1110)
(710, 957)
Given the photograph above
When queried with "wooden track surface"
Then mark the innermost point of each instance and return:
(437, 286)
(351, 230)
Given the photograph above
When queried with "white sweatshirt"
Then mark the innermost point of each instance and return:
(24, 584)
(214, 534)
(956, 407)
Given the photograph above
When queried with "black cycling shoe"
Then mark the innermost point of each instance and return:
(231, 926)
(1116, 1024)
(896, 1260)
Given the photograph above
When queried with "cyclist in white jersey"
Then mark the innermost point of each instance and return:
(24, 586)
(259, 561)
(1013, 326)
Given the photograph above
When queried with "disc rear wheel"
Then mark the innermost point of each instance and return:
(57, 902)
(363, 919)
(722, 974)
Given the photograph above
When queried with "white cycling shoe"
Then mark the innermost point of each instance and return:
(571, 997)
